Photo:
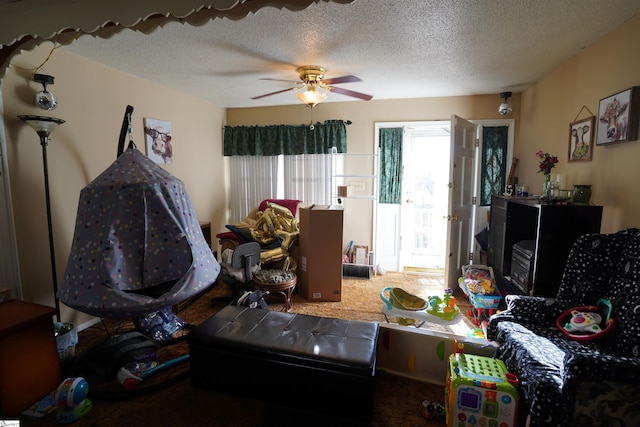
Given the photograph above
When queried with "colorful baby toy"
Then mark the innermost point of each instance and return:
(446, 307)
(71, 398)
(586, 323)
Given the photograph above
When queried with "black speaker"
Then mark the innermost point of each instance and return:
(522, 262)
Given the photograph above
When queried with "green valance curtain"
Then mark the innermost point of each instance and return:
(275, 140)
(390, 165)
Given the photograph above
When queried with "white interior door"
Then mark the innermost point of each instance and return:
(460, 219)
(408, 224)
(425, 196)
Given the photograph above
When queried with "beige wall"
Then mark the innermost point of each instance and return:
(92, 99)
(600, 70)
(543, 114)
(358, 224)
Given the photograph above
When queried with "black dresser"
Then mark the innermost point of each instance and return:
(546, 231)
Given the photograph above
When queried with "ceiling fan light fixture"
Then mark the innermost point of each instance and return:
(315, 87)
(505, 108)
(312, 96)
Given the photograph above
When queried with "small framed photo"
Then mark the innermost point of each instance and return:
(157, 135)
(360, 255)
(581, 139)
(618, 117)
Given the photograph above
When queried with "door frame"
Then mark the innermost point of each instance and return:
(9, 265)
(481, 212)
(392, 213)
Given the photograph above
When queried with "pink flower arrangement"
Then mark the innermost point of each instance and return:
(547, 162)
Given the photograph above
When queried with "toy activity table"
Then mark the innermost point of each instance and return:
(480, 392)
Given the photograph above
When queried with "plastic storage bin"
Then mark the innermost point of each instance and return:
(479, 284)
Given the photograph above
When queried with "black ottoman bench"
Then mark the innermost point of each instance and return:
(313, 364)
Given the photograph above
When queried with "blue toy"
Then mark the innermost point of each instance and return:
(71, 398)
(133, 373)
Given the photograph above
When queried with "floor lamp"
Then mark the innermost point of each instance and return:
(44, 126)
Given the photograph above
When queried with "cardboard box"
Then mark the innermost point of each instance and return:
(320, 270)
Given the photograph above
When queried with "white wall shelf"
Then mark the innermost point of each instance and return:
(359, 174)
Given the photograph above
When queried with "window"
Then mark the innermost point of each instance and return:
(493, 162)
(305, 177)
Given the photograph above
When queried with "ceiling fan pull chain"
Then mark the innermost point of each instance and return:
(311, 125)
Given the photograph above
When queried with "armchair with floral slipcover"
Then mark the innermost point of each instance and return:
(567, 382)
(274, 225)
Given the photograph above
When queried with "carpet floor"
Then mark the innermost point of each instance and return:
(397, 399)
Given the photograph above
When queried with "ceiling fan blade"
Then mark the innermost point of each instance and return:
(297, 82)
(343, 79)
(274, 93)
(351, 93)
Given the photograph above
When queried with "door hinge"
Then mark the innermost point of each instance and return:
(452, 185)
(474, 200)
(477, 142)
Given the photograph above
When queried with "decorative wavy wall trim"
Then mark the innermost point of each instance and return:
(42, 23)
(121, 15)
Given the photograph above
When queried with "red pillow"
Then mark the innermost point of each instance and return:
(290, 204)
(229, 235)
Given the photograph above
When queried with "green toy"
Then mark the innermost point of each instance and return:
(445, 308)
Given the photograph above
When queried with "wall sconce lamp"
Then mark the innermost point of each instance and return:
(44, 126)
(505, 108)
(45, 99)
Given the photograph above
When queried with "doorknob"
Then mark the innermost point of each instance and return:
(409, 200)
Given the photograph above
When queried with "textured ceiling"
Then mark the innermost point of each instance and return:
(400, 49)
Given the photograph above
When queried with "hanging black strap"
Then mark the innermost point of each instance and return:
(126, 124)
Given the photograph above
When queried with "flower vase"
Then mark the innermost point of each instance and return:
(547, 180)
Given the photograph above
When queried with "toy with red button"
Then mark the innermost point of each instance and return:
(586, 323)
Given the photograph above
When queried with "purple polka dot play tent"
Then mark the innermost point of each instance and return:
(137, 246)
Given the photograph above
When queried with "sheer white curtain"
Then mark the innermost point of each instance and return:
(253, 179)
(307, 177)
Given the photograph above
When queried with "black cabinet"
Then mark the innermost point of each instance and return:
(553, 228)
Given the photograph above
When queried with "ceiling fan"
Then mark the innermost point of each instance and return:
(312, 79)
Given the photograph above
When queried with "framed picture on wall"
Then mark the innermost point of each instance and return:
(581, 139)
(618, 117)
(157, 134)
